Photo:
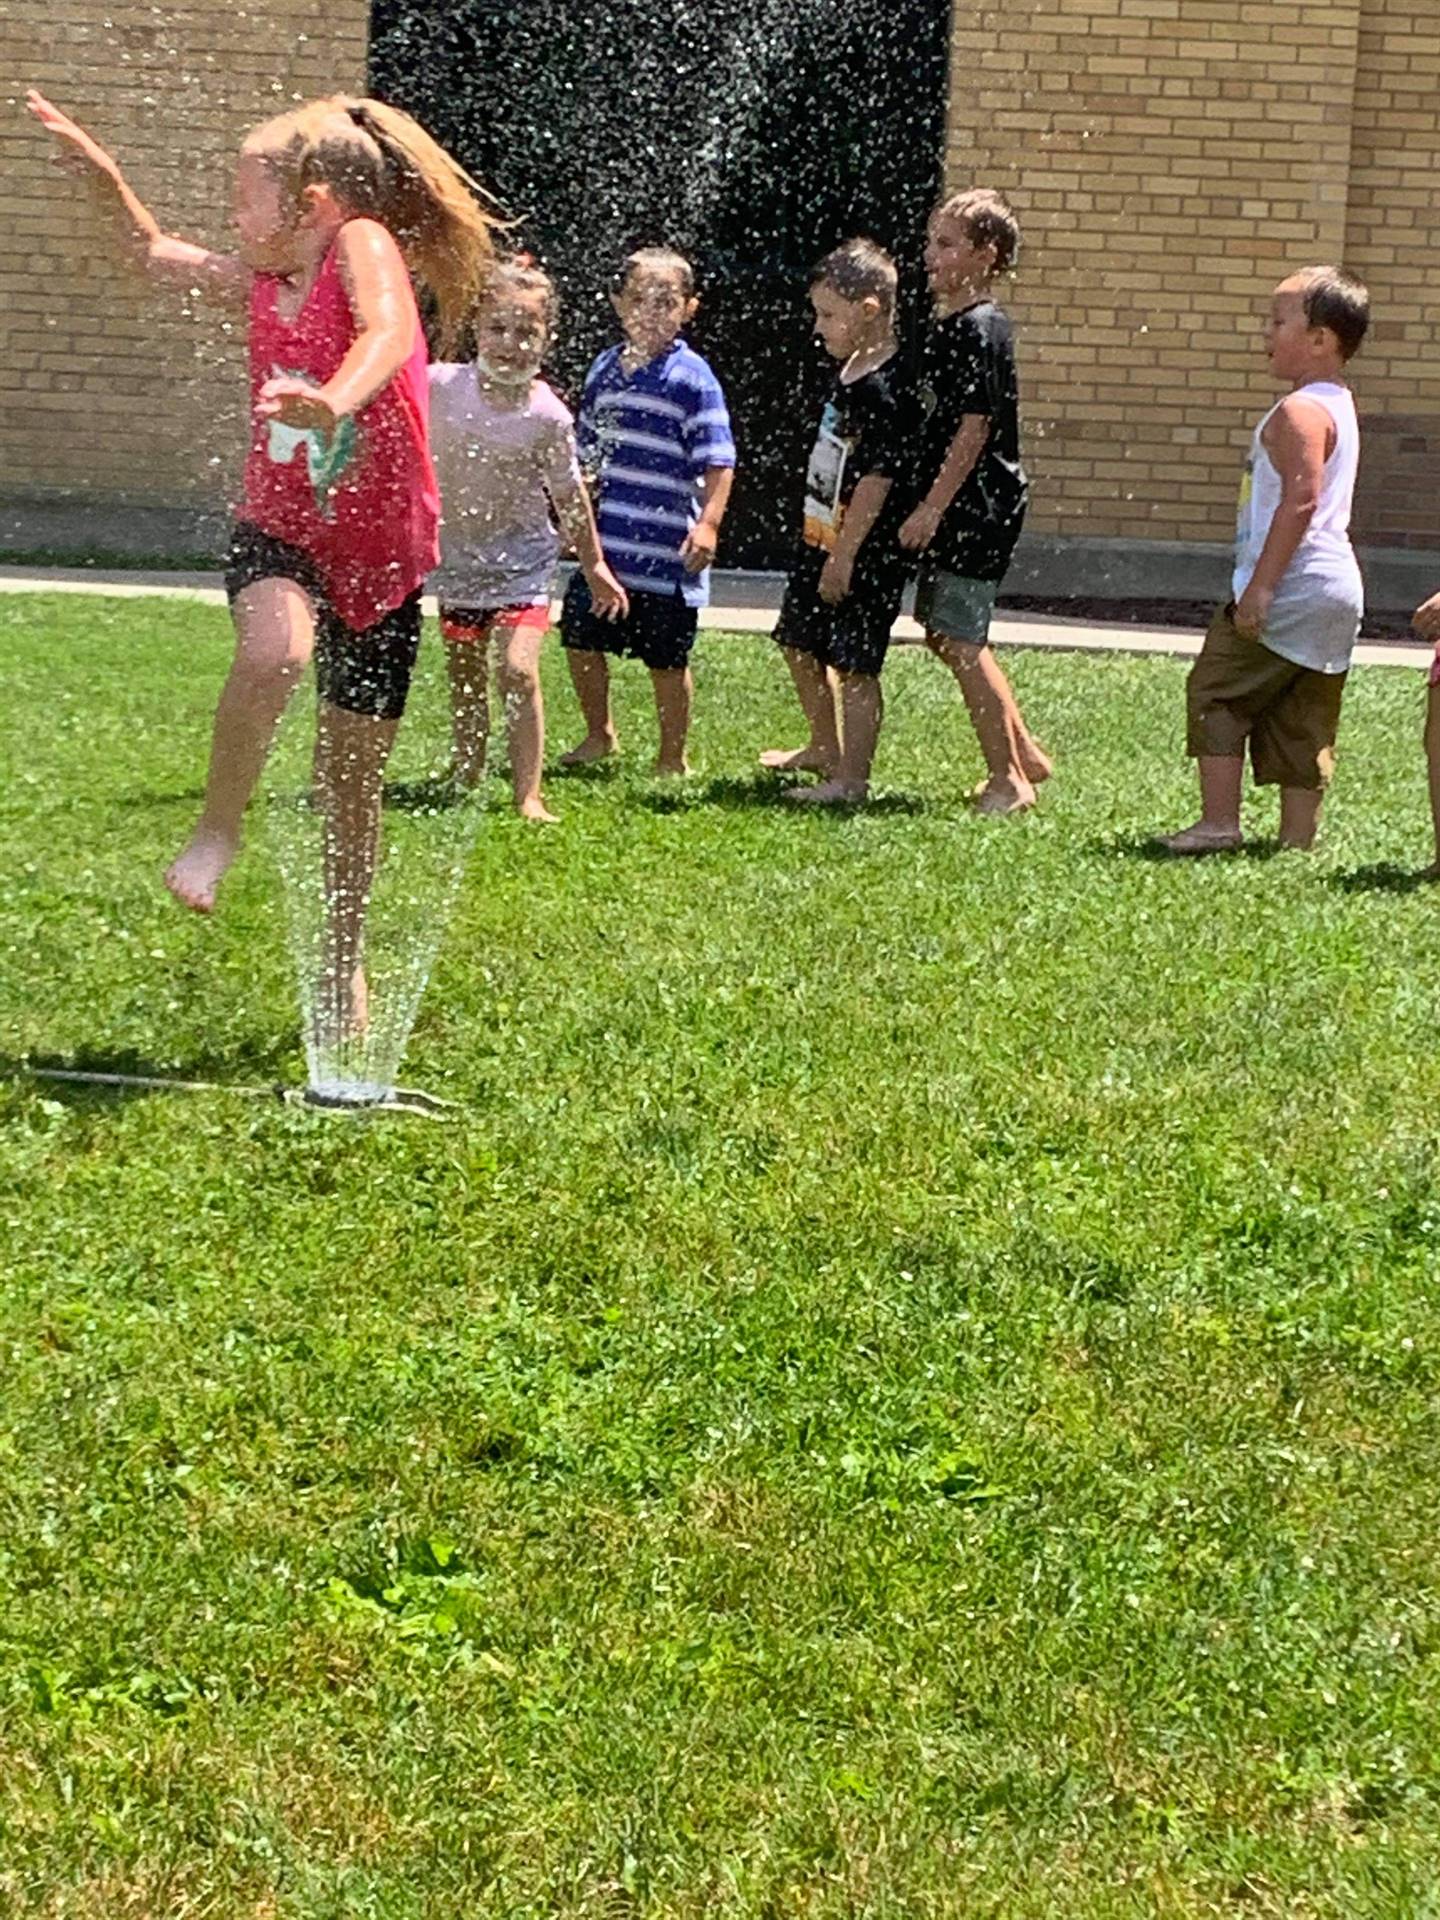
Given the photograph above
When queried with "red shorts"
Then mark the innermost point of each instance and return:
(467, 626)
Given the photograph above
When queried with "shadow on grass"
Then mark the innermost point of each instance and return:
(260, 1061)
(141, 798)
(437, 794)
(763, 792)
(1148, 846)
(1385, 877)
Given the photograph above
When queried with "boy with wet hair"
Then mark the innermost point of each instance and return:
(1272, 670)
(654, 423)
(845, 587)
(972, 486)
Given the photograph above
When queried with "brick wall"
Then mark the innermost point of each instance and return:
(110, 390)
(1171, 160)
(1392, 237)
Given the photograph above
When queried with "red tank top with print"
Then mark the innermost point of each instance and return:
(361, 501)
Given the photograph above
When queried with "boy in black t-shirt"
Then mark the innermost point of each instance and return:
(972, 486)
(844, 590)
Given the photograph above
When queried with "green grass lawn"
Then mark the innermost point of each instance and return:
(907, 1388)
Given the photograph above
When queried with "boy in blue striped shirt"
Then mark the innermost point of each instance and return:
(654, 423)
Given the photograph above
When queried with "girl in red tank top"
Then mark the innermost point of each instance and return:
(337, 527)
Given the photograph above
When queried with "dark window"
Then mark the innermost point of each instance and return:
(751, 134)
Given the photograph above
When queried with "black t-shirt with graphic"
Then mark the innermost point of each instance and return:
(970, 369)
(867, 428)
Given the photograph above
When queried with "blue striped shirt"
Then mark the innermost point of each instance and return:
(652, 433)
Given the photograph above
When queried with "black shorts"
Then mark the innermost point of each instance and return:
(854, 635)
(660, 629)
(367, 672)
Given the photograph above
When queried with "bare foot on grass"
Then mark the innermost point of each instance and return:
(671, 769)
(595, 746)
(537, 811)
(1201, 839)
(1005, 796)
(798, 760)
(195, 874)
(830, 793)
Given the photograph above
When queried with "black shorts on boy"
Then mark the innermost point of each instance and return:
(366, 672)
(853, 635)
(659, 630)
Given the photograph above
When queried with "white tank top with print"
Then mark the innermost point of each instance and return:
(1315, 618)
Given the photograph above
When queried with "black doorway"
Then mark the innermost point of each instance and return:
(751, 134)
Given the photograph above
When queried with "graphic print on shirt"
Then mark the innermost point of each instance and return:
(825, 481)
(327, 455)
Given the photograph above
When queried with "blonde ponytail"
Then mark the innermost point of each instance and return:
(381, 163)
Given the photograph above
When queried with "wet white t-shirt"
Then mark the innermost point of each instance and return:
(499, 469)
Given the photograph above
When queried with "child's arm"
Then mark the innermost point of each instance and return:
(223, 275)
(381, 299)
(955, 469)
(698, 548)
(1298, 440)
(861, 514)
(1427, 619)
(577, 523)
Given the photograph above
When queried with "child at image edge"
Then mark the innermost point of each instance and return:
(1273, 666)
(846, 584)
(653, 420)
(972, 486)
(505, 457)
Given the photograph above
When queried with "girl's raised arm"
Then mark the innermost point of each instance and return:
(222, 275)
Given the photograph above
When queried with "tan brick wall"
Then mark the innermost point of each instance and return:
(1393, 238)
(109, 389)
(1170, 160)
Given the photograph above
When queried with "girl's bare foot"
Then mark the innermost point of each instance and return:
(536, 809)
(830, 793)
(800, 760)
(671, 769)
(196, 872)
(1203, 838)
(595, 746)
(1005, 796)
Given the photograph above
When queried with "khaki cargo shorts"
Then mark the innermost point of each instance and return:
(1239, 694)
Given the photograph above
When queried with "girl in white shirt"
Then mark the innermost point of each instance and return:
(504, 450)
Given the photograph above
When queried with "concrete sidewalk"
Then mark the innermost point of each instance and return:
(741, 603)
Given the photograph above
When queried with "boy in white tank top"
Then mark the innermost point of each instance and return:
(1273, 666)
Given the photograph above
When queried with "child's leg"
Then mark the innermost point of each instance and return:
(1299, 816)
(467, 655)
(996, 718)
(673, 692)
(517, 671)
(351, 750)
(1432, 755)
(590, 677)
(1293, 747)
(274, 634)
(1225, 691)
(816, 691)
(862, 707)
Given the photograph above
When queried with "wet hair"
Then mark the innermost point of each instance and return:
(659, 261)
(1336, 299)
(383, 165)
(859, 269)
(519, 274)
(989, 219)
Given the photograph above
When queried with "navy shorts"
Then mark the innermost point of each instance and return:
(367, 672)
(660, 630)
(854, 635)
